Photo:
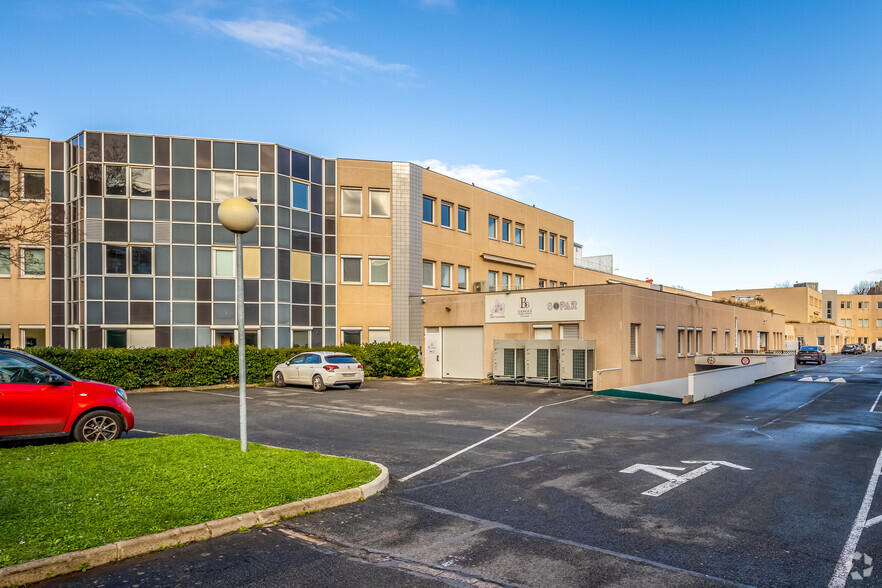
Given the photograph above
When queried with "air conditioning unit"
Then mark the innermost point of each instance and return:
(481, 286)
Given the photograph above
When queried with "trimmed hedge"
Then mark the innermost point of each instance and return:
(206, 366)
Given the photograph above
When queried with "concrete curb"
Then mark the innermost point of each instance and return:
(40, 569)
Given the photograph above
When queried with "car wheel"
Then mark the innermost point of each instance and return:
(98, 425)
(279, 380)
(317, 383)
(354, 386)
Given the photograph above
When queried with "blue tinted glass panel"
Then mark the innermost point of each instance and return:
(300, 195)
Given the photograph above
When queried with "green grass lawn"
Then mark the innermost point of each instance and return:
(64, 497)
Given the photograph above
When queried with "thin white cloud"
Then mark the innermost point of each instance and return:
(448, 4)
(297, 42)
(495, 180)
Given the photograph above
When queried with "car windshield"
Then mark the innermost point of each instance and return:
(341, 359)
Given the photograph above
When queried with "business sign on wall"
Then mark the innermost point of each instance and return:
(528, 307)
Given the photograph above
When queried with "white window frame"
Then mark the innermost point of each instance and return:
(681, 336)
(542, 235)
(22, 249)
(379, 192)
(466, 210)
(462, 284)
(519, 234)
(562, 242)
(386, 330)
(492, 226)
(506, 281)
(519, 282)
(343, 200)
(22, 174)
(343, 279)
(452, 211)
(492, 283)
(8, 255)
(634, 341)
(552, 237)
(214, 252)
(505, 235)
(214, 176)
(358, 330)
(371, 260)
(659, 341)
(427, 262)
(449, 267)
(432, 201)
(698, 331)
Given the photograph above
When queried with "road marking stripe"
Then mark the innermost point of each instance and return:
(873, 408)
(873, 521)
(840, 574)
(482, 441)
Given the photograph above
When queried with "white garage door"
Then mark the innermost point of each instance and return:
(462, 352)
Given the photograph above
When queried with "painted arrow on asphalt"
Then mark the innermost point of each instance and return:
(674, 481)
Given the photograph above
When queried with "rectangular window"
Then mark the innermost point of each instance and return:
(551, 239)
(541, 240)
(462, 218)
(223, 185)
(379, 270)
(820, 340)
(5, 261)
(697, 341)
(33, 261)
(519, 234)
(878, 321)
(847, 322)
(841, 322)
(492, 278)
(380, 205)
(33, 184)
(519, 282)
(506, 282)
(350, 271)
(563, 284)
(506, 230)
(350, 202)
(446, 219)
(115, 180)
(142, 260)
(142, 182)
(681, 334)
(446, 275)
(378, 334)
(247, 187)
(690, 334)
(659, 342)
(552, 284)
(713, 340)
(491, 226)
(115, 259)
(462, 277)
(224, 266)
(351, 336)
(428, 274)
(726, 341)
(4, 182)
(563, 246)
(635, 347)
(541, 283)
(879, 305)
(428, 210)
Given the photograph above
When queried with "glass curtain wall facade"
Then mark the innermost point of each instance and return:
(141, 260)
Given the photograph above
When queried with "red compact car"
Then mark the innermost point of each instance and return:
(39, 399)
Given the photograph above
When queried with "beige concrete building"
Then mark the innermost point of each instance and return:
(862, 314)
(638, 335)
(24, 277)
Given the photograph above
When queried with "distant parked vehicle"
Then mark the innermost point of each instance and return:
(812, 353)
(861, 347)
(320, 369)
(850, 349)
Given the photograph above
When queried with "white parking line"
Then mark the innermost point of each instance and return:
(840, 574)
(482, 441)
(873, 408)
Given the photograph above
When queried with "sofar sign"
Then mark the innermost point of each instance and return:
(527, 307)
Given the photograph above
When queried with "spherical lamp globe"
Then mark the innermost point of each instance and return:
(237, 215)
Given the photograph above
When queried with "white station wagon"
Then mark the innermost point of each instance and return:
(320, 369)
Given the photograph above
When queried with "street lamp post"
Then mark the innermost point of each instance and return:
(239, 216)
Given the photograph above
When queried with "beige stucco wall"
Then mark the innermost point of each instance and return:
(24, 301)
(610, 310)
(870, 311)
(802, 304)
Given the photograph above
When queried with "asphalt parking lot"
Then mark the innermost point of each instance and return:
(772, 485)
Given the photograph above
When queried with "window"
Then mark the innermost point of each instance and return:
(726, 341)
(428, 210)
(491, 226)
(462, 218)
(247, 187)
(878, 321)
(445, 215)
(506, 230)
(379, 203)
(116, 338)
(841, 322)
(690, 334)
(115, 180)
(635, 348)
(224, 266)
(563, 284)
(142, 260)
(351, 269)
(541, 240)
(879, 305)
(4, 182)
(351, 336)
(847, 322)
(115, 259)
(33, 184)
(659, 342)
(428, 274)
(506, 281)
(563, 246)
(492, 277)
(519, 282)
(551, 239)
(378, 334)
(300, 195)
(350, 202)
(462, 277)
(820, 340)
(142, 182)
(223, 185)
(681, 333)
(446, 275)
(519, 234)
(541, 283)
(33, 261)
(713, 340)
(552, 284)
(5, 261)
(697, 341)
(379, 270)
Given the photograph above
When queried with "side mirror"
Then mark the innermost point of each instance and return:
(56, 380)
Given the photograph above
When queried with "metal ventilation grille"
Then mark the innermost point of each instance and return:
(508, 362)
(579, 364)
(162, 232)
(541, 363)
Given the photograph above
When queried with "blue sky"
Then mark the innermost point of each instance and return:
(705, 144)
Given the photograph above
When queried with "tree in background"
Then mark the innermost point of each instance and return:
(785, 284)
(24, 213)
(862, 287)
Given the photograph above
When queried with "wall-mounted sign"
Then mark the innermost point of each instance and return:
(527, 307)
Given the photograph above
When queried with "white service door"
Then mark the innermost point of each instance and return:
(433, 352)
(462, 352)
(543, 333)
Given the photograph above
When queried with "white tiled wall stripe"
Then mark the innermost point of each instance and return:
(407, 314)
